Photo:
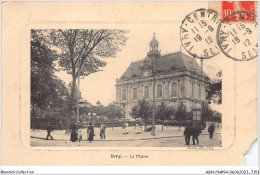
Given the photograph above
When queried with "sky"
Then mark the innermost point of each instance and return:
(101, 85)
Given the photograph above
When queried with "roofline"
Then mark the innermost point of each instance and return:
(170, 53)
(165, 54)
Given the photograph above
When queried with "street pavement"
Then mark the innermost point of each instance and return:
(169, 137)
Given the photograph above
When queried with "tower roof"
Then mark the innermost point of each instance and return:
(154, 40)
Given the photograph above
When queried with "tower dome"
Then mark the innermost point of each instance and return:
(154, 43)
(153, 48)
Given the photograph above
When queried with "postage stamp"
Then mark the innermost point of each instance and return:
(236, 36)
(198, 33)
(229, 7)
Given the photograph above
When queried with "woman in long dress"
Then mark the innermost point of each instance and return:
(125, 128)
(90, 132)
(137, 129)
(73, 136)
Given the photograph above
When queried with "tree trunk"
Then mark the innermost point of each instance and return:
(33, 117)
(179, 124)
(71, 103)
(33, 112)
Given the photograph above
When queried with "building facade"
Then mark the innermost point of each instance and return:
(177, 78)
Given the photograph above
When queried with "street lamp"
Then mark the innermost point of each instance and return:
(78, 100)
(78, 94)
(153, 124)
(179, 98)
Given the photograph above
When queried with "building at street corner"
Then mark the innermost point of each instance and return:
(178, 77)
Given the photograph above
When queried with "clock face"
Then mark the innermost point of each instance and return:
(146, 73)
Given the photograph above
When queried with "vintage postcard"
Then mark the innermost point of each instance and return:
(129, 83)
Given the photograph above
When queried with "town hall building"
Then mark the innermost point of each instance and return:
(177, 77)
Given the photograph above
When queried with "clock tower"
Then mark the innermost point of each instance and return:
(147, 67)
(150, 61)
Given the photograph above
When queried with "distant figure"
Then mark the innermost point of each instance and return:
(187, 133)
(125, 128)
(211, 130)
(49, 129)
(79, 131)
(137, 129)
(80, 135)
(74, 130)
(103, 131)
(145, 127)
(195, 131)
(60, 125)
(90, 132)
(203, 125)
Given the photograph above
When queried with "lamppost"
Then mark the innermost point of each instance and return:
(153, 124)
(78, 93)
(179, 98)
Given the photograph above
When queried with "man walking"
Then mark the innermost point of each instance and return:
(187, 133)
(49, 129)
(90, 132)
(211, 130)
(195, 134)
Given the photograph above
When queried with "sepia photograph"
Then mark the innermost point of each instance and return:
(158, 100)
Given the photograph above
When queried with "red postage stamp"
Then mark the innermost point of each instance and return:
(231, 7)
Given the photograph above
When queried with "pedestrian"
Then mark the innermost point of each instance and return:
(187, 133)
(90, 132)
(137, 129)
(125, 128)
(74, 130)
(79, 126)
(195, 131)
(211, 130)
(103, 131)
(60, 125)
(49, 130)
(145, 127)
